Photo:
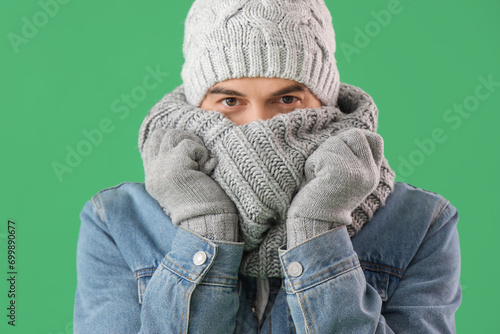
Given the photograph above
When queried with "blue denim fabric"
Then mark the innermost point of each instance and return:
(137, 273)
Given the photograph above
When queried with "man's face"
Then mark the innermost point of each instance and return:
(245, 100)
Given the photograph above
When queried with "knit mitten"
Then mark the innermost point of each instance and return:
(339, 175)
(176, 165)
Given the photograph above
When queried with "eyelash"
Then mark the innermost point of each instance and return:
(224, 100)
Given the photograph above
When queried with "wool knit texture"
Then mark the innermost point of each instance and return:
(176, 168)
(288, 39)
(261, 164)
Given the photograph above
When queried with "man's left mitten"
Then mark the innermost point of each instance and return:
(340, 174)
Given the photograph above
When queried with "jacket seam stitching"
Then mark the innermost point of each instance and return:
(366, 265)
(440, 213)
(227, 243)
(119, 186)
(308, 312)
(302, 308)
(144, 275)
(213, 276)
(381, 265)
(290, 289)
(140, 291)
(324, 280)
(175, 264)
(99, 208)
(218, 284)
(386, 296)
(436, 209)
(380, 286)
(326, 271)
(383, 285)
(178, 273)
(184, 312)
(145, 269)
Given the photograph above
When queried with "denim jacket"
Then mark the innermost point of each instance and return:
(138, 273)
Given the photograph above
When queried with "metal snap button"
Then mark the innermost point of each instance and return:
(295, 269)
(199, 258)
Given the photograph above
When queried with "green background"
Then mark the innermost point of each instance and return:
(70, 73)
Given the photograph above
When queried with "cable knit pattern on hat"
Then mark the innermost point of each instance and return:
(289, 39)
(261, 164)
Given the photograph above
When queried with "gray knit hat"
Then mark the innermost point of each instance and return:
(289, 39)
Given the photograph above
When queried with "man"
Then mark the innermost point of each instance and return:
(268, 205)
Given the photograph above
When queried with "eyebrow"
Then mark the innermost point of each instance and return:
(289, 89)
(225, 91)
(283, 91)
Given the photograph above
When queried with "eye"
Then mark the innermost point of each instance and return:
(230, 101)
(288, 99)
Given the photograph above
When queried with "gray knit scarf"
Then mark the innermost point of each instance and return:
(261, 164)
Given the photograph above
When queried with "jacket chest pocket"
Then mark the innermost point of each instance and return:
(143, 277)
(383, 279)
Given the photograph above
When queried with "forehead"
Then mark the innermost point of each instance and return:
(258, 85)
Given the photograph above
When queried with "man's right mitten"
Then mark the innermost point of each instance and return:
(176, 165)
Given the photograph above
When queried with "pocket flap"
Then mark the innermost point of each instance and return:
(384, 279)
